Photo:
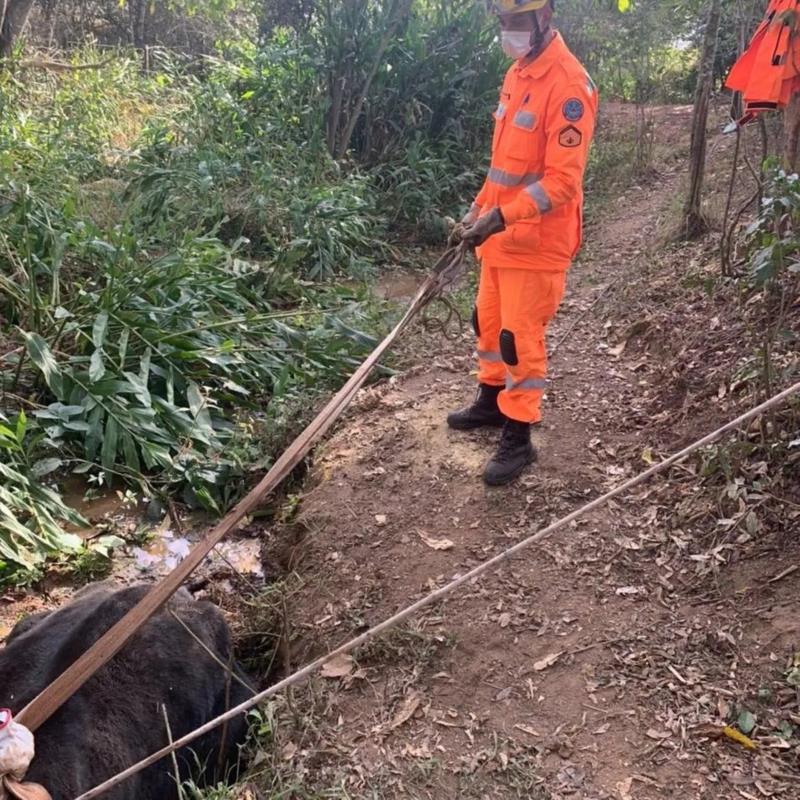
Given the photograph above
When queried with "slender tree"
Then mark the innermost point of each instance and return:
(792, 128)
(694, 221)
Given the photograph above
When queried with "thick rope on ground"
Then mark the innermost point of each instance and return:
(433, 597)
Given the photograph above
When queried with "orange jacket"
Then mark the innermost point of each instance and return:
(543, 128)
(768, 72)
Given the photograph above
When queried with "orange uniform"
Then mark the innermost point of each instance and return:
(543, 128)
(768, 72)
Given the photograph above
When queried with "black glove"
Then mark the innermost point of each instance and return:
(487, 225)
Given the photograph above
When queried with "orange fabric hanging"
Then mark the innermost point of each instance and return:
(768, 72)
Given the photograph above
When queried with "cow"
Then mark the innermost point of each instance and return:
(164, 683)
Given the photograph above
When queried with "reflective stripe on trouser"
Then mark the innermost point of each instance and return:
(519, 304)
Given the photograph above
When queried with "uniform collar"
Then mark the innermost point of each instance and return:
(554, 52)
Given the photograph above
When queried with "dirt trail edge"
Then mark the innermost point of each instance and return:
(578, 670)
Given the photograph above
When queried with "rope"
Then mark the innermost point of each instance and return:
(438, 594)
(47, 702)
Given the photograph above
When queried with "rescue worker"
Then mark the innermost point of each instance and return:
(526, 225)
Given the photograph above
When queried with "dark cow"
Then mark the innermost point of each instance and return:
(118, 717)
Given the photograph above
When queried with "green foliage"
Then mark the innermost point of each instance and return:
(231, 161)
(775, 236)
(169, 238)
(649, 53)
(161, 346)
(57, 131)
(145, 359)
(31, 514)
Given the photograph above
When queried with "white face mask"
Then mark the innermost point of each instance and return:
(516, 44)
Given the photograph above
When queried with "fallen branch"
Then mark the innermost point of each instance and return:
(59, 66)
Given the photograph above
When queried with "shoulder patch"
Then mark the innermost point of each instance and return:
(570, 137)
(573, 109)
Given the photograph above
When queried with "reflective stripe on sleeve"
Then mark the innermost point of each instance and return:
(509, 179)
(540, 197)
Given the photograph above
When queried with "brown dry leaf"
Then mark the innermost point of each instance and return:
(624, 789)
(602, 729)
(435, 544)
(627, 591)
(421, 751)
(652, 733)
(619, 349)
(289, 751)
(381, 520)
(406, 711)
(505, 620)
(338, 667)
(547, 661)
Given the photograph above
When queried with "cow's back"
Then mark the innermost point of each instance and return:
(118, 718)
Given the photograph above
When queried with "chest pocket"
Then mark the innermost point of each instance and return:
(522, 139)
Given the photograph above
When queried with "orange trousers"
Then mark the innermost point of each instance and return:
(511, 316)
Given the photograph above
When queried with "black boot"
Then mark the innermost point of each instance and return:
(482, 412)
(513, 455)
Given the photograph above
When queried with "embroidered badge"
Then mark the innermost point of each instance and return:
(570, 136)
(573, 109)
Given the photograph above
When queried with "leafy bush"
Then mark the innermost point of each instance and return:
(145, 360)
(31, 514)
(774, 237)
(232, 162)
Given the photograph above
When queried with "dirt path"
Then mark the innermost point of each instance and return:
(580, 670)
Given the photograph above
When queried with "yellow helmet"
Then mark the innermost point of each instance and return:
(515, 6)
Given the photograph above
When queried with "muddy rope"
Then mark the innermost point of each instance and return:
(445, 272)
(438, 594)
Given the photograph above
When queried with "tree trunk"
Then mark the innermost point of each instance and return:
(694, 222)
(791, 125)
(13, 18)
(137, 10)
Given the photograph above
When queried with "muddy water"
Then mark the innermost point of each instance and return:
(107, 507)
(167, 549)
(154, 548)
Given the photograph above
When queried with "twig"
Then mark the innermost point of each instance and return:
(725, 242)
(60, 66)
(785, 574)
(580, 317)
(178, 783)
(173, 515)
(212, 654)
(283, 644)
